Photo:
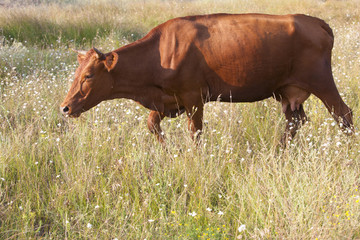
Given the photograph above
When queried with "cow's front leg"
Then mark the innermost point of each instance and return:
(195, 121)
(153, 124)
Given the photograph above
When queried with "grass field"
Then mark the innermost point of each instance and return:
(104, 176)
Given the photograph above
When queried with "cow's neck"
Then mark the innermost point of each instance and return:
(135, 73)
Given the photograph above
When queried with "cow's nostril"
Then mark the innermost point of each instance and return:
(65, 109)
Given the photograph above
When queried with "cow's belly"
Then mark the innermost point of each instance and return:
(226, 93)
(246, 85)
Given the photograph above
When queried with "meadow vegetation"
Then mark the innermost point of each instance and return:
(104, 176)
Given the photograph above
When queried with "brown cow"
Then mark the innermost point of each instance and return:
(185, 62)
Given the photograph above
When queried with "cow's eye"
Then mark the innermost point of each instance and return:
(88, 76)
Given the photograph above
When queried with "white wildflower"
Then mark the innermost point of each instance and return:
(193, 214)
(242, 228)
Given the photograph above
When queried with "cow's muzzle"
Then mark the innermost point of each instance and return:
(67, 112)
(64, 110)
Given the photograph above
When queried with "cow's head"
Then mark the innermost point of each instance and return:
(93, 82)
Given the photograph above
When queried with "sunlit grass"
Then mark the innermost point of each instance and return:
(104, 176)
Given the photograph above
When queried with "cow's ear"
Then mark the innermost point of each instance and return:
(81, 55)
(111, 60)
(80, 58)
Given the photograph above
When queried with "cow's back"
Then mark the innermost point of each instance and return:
(247, 56)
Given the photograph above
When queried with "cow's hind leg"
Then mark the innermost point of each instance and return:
(292, 99)
(321, 83)
(153, 124)
(330, 96)
(294, 120)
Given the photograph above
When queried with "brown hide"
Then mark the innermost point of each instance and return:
(186, 62)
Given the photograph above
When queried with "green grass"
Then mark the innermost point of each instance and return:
(104, 176)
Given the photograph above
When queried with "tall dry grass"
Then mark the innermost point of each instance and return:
(104, 176)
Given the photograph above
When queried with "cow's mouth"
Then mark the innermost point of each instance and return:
(74, 115)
